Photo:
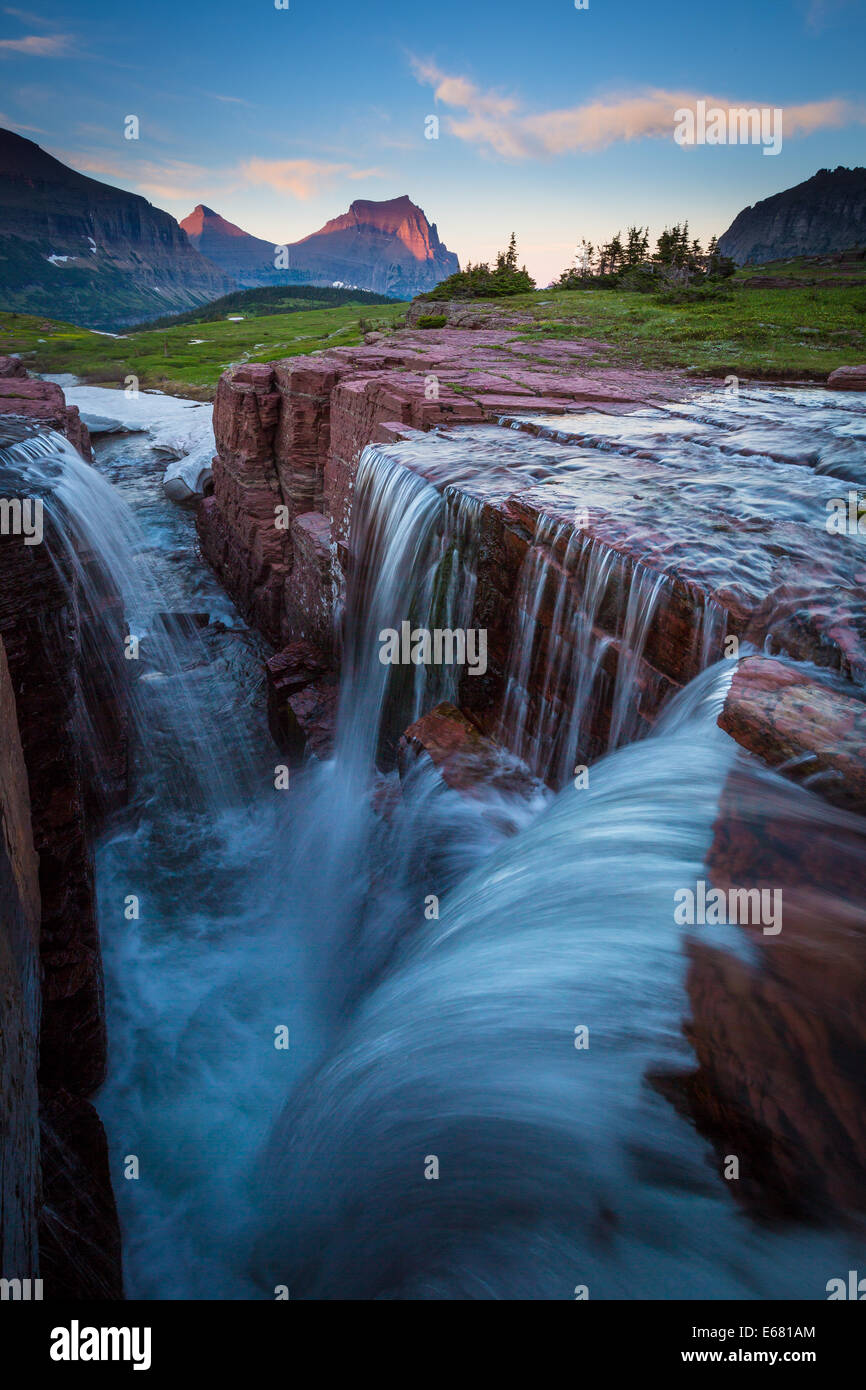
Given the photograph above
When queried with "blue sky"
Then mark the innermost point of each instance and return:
(556, 123)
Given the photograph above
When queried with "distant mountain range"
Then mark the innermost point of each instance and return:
(386, 247)
(826, 213)
(77, 249)
(74, 248)
(80, 250)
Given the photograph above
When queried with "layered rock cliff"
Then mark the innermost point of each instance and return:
(19, 1002)
(825, 213)
(564, 506)
(56, 662)
(77, 249)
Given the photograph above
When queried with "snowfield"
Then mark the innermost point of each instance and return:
(180, 429)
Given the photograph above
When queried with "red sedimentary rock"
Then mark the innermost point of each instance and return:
(42, 401)
(19, 1001)
(848, 378)
(302, 699)
(780, 1035)
(54, 652)
(465, 758)
(785, 717)
(289, 436)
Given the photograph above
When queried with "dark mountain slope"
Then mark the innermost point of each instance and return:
(77, 249)
(826, 213)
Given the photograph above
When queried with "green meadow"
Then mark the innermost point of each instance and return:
(798, 332)
(186, 359)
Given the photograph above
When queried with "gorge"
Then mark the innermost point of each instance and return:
(438, 887)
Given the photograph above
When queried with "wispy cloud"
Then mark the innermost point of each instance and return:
(8, 123)
(172, 179)
(498, 124)
(232, 101)
(40, 21)
(178, 180)
(38, 45)
(822, 13)
(301, 177)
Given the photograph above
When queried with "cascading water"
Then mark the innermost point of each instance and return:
(411, 1039)
(576, 647)
(556, 1167)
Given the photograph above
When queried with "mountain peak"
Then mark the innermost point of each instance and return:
(387, 246)
(397, 218)
(824, 214)
(203, 221)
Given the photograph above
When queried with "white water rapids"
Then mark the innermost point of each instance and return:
(260, 1167)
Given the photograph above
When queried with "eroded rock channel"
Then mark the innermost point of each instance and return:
(579, 917)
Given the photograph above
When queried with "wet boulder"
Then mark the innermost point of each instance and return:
(303, 690)
(465, 758)
(848, 378)
(816, 733)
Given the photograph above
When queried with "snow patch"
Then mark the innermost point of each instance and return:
(179, 429)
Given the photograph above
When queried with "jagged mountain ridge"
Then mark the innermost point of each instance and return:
(823, 214)
(388, 247)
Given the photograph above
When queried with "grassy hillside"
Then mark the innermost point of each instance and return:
(799, 333)
(796, 333)
(186, 359)
(269, 299)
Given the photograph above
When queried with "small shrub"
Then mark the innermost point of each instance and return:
(694, 294)
(480, 282)
(432, 321)
(638, 280)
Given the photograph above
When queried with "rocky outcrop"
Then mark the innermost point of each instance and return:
(289, 436)
(84, 251)
(303, 691)
(464, 758)
(40, 401)
(79, 1234)
(825, 213)
(848, 378)
(387, 247)
(778, 1030)
(59, 655)
(817, 733)
(19, 1002)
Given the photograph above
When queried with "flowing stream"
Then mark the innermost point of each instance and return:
(232, 911)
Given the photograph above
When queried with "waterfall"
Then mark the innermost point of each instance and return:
(568, 657)
(418, 1044)
(554, 1167)
(150, 665)
(412, 558)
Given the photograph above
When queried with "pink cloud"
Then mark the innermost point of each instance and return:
(301, 177)
(38, 45)
(497, 124)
